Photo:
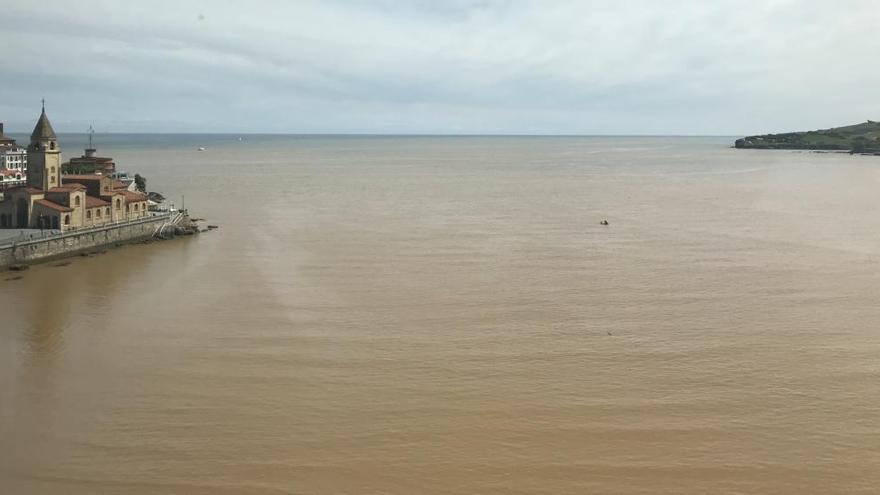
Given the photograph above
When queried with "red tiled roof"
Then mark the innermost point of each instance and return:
(93, 202)
(118, 184)
(131, 196)
(53, 206)
(68, 188)
(29, 190)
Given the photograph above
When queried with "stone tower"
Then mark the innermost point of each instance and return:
(44, 156)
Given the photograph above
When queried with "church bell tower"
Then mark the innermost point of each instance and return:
(44, 156)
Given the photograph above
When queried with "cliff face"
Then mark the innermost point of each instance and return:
(859, 138)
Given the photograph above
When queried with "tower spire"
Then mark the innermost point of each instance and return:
(44, 155)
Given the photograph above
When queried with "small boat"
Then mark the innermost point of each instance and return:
(202, 148)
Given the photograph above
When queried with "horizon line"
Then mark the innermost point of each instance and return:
(368, 134)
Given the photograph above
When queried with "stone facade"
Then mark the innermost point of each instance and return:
(60, 245)
(54, 201)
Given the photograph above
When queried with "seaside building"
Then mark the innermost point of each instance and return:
(6, 142)
(90, 163)
(13, 162)
(50, 200)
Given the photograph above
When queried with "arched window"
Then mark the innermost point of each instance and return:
(76, 200)
(108, 210)
(51, 145)
(66, 219)
(89, 214)
(118, 203)
(52, 170)
(135, 207)
(98, 213)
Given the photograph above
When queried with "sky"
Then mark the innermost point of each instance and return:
(632, 67)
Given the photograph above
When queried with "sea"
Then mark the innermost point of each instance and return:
(447, 315)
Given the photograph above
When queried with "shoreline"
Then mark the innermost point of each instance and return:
(17, 254)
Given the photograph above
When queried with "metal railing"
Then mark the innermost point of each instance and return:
(26, 238)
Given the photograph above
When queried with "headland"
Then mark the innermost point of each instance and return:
(861, 138)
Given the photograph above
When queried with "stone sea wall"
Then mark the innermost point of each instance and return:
(61, 245)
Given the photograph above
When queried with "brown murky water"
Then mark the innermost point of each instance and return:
(446, 315)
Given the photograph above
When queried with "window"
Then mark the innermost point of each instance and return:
(89, 214)
(52, 170)
(98, 213)
(76, 201)
(108, 210)
(51, 145)
(66, 219)
(135, 207)
(118, 203)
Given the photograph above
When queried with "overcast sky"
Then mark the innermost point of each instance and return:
(446, 66)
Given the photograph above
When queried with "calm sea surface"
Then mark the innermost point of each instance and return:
(447, 316)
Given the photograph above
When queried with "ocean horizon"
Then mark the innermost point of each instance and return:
(422, 315)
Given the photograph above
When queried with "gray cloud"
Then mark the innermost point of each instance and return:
(374, 66)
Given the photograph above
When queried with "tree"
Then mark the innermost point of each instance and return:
(140, 183)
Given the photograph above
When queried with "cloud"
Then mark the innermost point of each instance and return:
(516, 66)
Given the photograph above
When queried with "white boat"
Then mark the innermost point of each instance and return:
(202, 148)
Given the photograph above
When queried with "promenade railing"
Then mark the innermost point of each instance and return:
(27, 237)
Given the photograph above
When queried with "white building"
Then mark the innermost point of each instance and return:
(13, 162)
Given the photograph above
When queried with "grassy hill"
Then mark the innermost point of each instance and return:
(859, 138)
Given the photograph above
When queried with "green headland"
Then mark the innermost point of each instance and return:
(859, 138)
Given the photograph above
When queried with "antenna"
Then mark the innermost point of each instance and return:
(91, 133)
(44, 104)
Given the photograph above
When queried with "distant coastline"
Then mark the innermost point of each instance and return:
(861, 138)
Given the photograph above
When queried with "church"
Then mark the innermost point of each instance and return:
(50, 200)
